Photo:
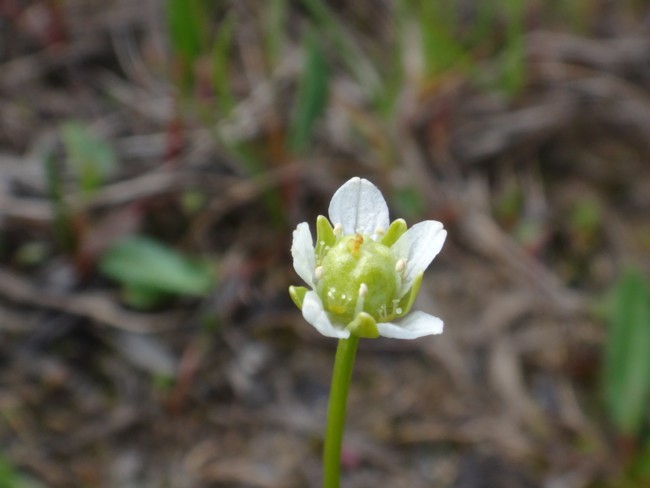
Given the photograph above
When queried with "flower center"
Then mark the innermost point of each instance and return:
(357, 263)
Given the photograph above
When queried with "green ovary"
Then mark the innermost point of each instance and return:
(352, 261)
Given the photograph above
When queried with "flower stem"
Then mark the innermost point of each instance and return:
(343, 364)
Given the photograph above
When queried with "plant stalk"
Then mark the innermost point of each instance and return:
(341, 376)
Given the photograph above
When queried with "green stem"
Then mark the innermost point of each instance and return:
(343, 363)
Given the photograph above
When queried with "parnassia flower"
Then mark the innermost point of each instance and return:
(364, 272)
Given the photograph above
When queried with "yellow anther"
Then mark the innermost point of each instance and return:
(355, 244)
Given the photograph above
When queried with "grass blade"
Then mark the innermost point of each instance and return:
(627, 354)
(312, 96)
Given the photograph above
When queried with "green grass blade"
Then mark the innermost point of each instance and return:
(441, 49)
(186, 23)
(63, 225)
(276, 15)
(221, 68)
(92, 158)
(356, 61)
(513, 75)
(627, 354)
(312, 96)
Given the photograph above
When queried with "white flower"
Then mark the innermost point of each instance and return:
(364, 272)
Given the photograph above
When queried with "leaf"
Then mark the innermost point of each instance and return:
(141, 263)
(92, 158)
(409, 202)
(513, 69)
(346, 45)
(221, 72)
(275, 28)
(10, 477)
(186, 21)
(627, 353)
(442, 50)
(63, 225)
(143, 297)
(312, 96)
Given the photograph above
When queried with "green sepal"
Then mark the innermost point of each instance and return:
(364, 325)
(394, 232)
(297, 294)
(325, 237)
(407, 300)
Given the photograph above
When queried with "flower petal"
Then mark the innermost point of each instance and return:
(315, 314)
(417, 324)
(359, 207)
(418, 246)
(302, 250)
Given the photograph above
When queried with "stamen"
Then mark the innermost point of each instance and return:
(338, 230)
(380, 231)
(395, 303)
(382, 312)
(318, 272)
(400, 266)
(363, 291)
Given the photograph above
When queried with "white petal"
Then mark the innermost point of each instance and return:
(314, 313)
(302, 250)
(359, 207)
(414, 325)
(418, 246)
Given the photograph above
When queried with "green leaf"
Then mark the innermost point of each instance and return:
(10, 477)
(276, 16)
(221, 66)
(442, 51)
(186, 21)
(513, 70)
(92, 158)
(586, 216)
(638, 470)
(627, 357)
(63, 225)
(312, 96)
(409, 201)
(141, 264)
(143, 297)
(346, 45)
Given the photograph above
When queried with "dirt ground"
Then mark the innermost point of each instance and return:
(545, 194)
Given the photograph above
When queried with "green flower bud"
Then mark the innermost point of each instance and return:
(357, 275)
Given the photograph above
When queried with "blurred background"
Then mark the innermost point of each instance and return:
(155, 157)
